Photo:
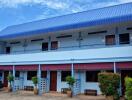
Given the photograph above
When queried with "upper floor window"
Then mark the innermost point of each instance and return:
(124, 38)
(110, 40)
(45, 46)
(8, 49)
(54, 45)
(64, 74)
(92, 76)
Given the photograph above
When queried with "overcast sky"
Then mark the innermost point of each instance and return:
(14, 12)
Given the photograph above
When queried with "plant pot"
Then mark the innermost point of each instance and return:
(9, 89)
(109, 98)
(35, 91)
(69, 93)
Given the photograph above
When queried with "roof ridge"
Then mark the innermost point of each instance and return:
(70, 14)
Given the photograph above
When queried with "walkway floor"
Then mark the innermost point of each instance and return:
(24, 95)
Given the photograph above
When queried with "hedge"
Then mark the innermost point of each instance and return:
(128, 84)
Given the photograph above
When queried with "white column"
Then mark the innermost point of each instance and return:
(72, 70)
(14, 78)
(39, 79)
(114, 67)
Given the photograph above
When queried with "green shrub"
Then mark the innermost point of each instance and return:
(10, 78)
(109, 84)
(128, 84)
(70, 80)
(35, 80)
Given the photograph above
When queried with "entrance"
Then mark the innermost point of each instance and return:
(53, 80)
(5, 78)
(125, 73)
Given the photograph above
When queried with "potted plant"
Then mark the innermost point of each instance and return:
(10, 79)
(35, 82)
(109, 84)
(70, 81)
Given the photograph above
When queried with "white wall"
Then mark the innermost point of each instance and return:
(84, 84)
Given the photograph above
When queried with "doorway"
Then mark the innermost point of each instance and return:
(5, 79)
(53, 80)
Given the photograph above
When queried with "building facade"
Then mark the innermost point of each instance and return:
(81, 45)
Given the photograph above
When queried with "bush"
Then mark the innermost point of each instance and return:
(35, 80)
(70, 80)
(128, 84)
(10, 78)
(109, 84)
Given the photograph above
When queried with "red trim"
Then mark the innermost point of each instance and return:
(124, 65)
(26, 67)
(94, 66)
(6, 67)
(55, 67)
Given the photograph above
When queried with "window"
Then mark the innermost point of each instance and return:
(31, 74)
(45, 46)
(44, 74)
(110, 39)
(54, 45)
(17, 74)
(8, 50)
(64, 74)
(124, 38)
(92, 76)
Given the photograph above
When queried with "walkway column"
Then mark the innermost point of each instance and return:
(115, 67)
(72, 70)
(39, 79)
(13, 85)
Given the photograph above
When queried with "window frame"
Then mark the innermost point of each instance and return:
(63, 77)
(31, 72)
(124, 42)
(89, 75)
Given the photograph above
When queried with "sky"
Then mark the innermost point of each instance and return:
(13, 12)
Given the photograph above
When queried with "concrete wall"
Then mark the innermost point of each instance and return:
(72, 42)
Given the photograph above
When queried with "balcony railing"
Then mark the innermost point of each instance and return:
(67, 48)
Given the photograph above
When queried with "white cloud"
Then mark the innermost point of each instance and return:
(54, 4)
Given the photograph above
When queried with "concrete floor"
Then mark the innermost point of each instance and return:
(26, 95)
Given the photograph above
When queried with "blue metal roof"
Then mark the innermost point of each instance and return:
(107, 15)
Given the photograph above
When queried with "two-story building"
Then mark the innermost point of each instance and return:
(80, 44)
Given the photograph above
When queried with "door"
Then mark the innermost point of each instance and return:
(5, 78)
(125, 73)
(53, 80)
(110, 40)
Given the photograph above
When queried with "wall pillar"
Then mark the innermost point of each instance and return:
(72, 70)
(49, 44)
(117, 36)
(115, 68)
(39, 79)
(13, 85)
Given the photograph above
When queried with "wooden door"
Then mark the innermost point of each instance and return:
(5, 78)
(53, 80)
(110, 40)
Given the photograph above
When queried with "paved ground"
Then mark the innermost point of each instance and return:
(24, 95)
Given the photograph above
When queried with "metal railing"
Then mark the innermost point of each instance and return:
(67, 48)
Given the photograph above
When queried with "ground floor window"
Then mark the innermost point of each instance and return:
(31, 74)
(17, 74)
(92, 76)
(64, 74)
(44, 74)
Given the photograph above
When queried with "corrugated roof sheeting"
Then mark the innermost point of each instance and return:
(100, 16)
